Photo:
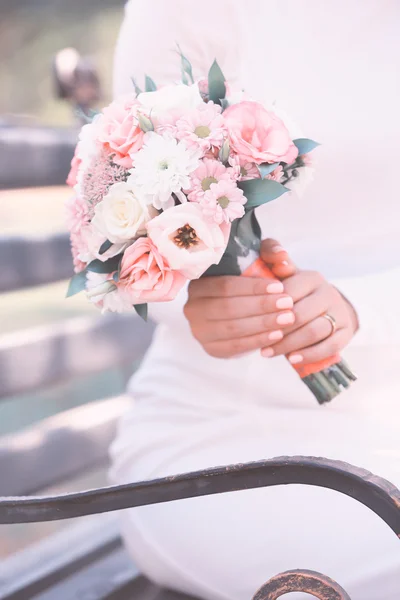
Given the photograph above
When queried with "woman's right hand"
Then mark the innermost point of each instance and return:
(230, 316)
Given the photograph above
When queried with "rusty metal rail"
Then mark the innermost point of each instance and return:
(374, 492)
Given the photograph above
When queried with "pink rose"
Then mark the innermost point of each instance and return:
(145, 275)
(72, 176)
(187, 240)
(119, 131)
(258, 135)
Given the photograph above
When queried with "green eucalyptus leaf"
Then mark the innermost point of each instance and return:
(260, 191)
(105, 246)
(116, 276)
(266, 169)
(142, 310)
(186, 67)
(108, 266)
(137, 88)
(77, 284)
(304, 145)
(224, 104)
(185, 80)
(145, 123)
(150, 86)
(216, 83)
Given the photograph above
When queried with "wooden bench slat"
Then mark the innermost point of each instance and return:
(85, 560)
(32, 261)
(36, 568)
(42, 356)
(47, 153)
(59, 448)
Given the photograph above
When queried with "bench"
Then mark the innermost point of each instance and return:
(87, 560)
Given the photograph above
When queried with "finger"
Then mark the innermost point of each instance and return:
(303, 284)
(329, 347)
(313, 306)
(240, 307)
(232, 329)
(226, 286)
(314, 332)
(276, 257)
(230, 348)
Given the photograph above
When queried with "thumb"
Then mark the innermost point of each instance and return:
(277, 259)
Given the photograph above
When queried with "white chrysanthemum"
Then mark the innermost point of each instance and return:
(162, 168)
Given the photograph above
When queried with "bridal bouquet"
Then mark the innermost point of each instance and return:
(166, 182)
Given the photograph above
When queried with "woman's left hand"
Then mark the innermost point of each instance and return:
(312, 338)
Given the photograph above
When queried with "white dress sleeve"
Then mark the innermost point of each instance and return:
(152, 29)
(375, 298)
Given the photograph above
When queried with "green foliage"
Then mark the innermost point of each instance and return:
(216, 83)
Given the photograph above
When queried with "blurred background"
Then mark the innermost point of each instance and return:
(38, 129)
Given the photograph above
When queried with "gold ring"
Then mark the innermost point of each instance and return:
(333, 323)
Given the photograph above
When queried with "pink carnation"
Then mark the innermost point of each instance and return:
(78, 247)
(76, 213)
(146, 276)
(101, 174)
(258, 135)
(72, 175)
(119, 131)
(203, 127)
(210, 171)
(223, 202)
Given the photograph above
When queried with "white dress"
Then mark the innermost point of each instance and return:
(334, 66)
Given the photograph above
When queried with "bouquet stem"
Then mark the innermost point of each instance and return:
(327, 378)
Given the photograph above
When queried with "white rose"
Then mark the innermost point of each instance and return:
(171, 100)
(188, 242)
(121, 215)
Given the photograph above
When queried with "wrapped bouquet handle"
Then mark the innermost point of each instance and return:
(326, 378)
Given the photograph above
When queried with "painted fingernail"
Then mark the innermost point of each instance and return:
(277, 249)
(267, 352)
(275, 336)
(275, 288)
(284, 302)
(295, 359)
(285, 318)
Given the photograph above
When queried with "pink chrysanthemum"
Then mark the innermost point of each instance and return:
(276, 174)
(99, 177)
(307, 160)
(242, 170)
(223, 202)
(210, 171)
(203, 127)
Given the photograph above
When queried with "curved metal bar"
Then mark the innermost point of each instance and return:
(310, 582)
(376, 493)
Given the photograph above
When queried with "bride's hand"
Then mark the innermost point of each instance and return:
(311, 339)
(230, 316)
